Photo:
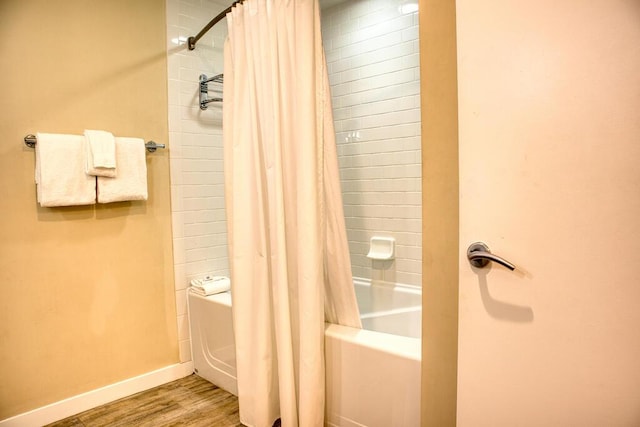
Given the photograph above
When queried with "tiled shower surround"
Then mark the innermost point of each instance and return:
(372, 54)
(195, 140)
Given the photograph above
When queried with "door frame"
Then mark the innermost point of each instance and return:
(440, 211)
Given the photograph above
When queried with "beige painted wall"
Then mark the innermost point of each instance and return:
(86, 293)
(440, 211)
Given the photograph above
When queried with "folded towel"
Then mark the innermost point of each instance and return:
(131, 180)
(217, 285)
(60, 176)
(100, 149)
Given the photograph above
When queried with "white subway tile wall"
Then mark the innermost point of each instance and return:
(195, 141)
(372, 54)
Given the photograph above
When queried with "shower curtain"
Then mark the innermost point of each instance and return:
(288, 254)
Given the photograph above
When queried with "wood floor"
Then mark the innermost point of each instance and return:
(190, 401)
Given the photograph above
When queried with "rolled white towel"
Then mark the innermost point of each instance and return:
(215, 285)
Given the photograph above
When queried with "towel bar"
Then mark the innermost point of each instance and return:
(204, 89)
(31, 140)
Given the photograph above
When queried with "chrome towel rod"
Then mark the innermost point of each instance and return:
(31, 141)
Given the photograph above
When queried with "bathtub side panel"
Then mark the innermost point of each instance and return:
(212, 341)
(367, 386)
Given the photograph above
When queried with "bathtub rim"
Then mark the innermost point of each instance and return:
(397, 345)
(392, 286)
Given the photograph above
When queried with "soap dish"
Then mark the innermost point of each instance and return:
(382, 248)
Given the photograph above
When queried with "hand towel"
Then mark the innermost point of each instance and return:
(130, 182)
(218, 285)
(100, 152)
(60, 176)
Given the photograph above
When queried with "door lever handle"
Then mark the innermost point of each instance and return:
(479, 256)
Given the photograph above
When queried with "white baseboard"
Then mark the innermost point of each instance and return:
(85, 401)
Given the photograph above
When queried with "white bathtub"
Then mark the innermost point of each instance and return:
(372, 377)
(389, 308)
(373, 374)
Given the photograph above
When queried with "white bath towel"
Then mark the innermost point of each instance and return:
(217, 285)
(130, 182)
(60, 176)
(100, 151)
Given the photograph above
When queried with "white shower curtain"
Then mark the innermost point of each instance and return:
(288, 254)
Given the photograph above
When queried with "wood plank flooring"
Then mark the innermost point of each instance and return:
(190, 401)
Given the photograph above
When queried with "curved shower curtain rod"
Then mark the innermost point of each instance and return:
(194, 39)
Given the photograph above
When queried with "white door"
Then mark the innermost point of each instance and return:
(549, 121)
